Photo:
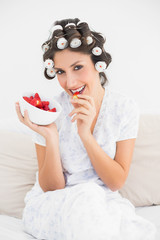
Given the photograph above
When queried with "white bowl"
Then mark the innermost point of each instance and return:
(37, 115)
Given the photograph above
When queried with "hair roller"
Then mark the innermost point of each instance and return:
(71, 31)
(46, 46)
(84, 30)
(99, 38)
(47, 76)
(70, 25)
(57, 34)
(74, 30)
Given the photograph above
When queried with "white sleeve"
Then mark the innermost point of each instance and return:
(37, 138)
(130, 120)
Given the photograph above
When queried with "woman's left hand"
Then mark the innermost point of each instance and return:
(85, 112)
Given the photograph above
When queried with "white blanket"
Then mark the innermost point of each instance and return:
(11, 228)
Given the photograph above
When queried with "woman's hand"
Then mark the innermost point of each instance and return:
(45, 131)
(85, 112)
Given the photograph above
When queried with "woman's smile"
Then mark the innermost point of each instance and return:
(79, 90)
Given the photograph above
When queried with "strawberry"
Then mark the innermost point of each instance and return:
(52, 110)
(36, 102)
(44, 103)
(46, 108)
(33, 102)
(37, 96)
(75, 95)
(27, 99)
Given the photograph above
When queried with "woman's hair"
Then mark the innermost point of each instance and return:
(80, 31)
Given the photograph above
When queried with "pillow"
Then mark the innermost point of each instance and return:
(142, 186)
(18, 166)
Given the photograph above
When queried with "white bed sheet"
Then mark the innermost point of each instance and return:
(152, 213)
(11, 228)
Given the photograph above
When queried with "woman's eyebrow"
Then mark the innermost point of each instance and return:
(71, 64)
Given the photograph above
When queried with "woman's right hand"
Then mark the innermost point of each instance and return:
(45, 131)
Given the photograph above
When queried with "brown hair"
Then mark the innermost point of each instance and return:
(80, 31)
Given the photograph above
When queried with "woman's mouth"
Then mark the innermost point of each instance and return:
(78, 90)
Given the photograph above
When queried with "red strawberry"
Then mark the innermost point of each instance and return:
(37, 96)
(52, 110)
(44, 103)
(33, 102)
(46, 108)
(38, 103)
(75, 95)
(27, 99)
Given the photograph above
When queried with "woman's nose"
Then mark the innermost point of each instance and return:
(71, 81)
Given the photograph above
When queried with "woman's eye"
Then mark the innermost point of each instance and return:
(59, 72)
(78, 67)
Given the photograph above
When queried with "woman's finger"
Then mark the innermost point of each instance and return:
(28, 122)
(79, 110)
(79, 116)
(21, 118)
(82, 102)
(86, 97)
(26, 117)
(25, 120)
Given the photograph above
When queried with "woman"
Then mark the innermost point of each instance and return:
(83, 158)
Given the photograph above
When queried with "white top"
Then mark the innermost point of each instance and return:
(86, 208)
(118, 120)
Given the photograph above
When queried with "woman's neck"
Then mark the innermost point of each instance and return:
(99, 98)
(98, 102)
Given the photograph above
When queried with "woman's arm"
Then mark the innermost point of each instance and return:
(112, 172)
(50, 168)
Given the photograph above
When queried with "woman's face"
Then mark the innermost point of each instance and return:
(76, 72)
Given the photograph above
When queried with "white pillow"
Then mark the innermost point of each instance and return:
(18, 166)
(142, 187)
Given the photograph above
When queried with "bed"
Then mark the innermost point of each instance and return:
(18, 166)
(11, 228)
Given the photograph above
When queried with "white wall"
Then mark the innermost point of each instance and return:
(132, 30)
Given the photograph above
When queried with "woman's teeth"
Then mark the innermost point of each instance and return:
(78, 90)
